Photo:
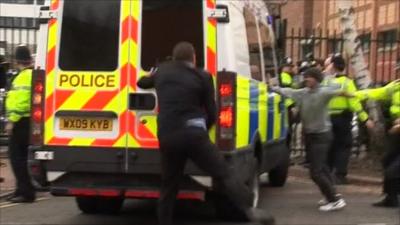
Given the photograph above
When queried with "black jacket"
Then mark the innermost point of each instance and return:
(183, 93)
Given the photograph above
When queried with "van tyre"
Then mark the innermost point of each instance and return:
(278, 176)
(87, 205)
(93, 205)
(110, 205)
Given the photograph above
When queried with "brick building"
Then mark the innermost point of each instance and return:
(317, 23)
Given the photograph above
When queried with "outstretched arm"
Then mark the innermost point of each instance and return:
(146, 82)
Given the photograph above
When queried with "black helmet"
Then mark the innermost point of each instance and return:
(338, 62)
(287, 61)
(3, 60)
(23, 54)
(303, 66)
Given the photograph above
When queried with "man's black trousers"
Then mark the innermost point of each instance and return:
(18, 154)
(339, 155)
(317, 147)
(391, 165)
(193, 143)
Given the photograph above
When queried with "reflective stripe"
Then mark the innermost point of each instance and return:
(19, 112)
(19, 88)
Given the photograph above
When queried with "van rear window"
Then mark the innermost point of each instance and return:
(167, 22)
(90, 35)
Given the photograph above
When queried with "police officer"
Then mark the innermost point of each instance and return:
(18, 106)
(391, 161)
(187, 110)
(3, 72)
(286, 80)
(341, 110)
(287, 73)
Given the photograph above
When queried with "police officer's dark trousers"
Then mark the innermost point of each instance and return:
(340, 152)
(317, 147)
(193, 143)
(18, 154)
(391, 165)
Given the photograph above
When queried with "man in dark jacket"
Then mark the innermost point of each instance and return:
(186, 111)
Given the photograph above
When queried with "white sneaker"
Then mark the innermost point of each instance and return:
(332, 206)
(324, 201)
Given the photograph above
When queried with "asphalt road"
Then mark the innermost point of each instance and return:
(296, 203)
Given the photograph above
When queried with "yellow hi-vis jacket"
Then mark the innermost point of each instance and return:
(18, 101)
(286, 81)
(340, 104)
(390, 92)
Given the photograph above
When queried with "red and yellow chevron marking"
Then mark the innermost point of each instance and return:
(211, 30)
(211, 41)
(139, 135)
(51, 101)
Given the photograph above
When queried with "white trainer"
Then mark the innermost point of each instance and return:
(333, 206)
(324, 201)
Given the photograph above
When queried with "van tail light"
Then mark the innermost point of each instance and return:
(37, 104)
(226, 102)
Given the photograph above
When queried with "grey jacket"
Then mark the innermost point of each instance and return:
(313, 105)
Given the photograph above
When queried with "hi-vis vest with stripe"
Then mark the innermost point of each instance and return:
(390, 92)
(18, 101)
(286, 80)
(340, 104)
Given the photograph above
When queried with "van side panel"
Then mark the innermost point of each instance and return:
(242, 111)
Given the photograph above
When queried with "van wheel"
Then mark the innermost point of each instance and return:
(87, 205)
(110, 205)
(93, 205)
(278, 176)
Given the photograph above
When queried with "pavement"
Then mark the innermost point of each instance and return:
(7, 185)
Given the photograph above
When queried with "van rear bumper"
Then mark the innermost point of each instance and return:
(121, 161)
(121, 186)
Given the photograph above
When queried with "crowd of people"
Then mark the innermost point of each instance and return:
(325, 100)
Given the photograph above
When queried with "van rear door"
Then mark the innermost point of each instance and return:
(162, 25)
(87, 81)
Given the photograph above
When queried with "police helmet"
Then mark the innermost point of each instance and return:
(304, 65)
(338, 62)
(23, 54)
(3, 60)
(287, 61)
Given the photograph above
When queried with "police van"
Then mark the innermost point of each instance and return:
(94, 129)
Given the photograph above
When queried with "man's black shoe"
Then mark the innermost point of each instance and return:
(21, 199)
(260, 216)
(390, 202)
(13, 195)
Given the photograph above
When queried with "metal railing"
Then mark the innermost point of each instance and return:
(12, 35)
(381, 54)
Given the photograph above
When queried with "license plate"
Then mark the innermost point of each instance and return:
(86, 124)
